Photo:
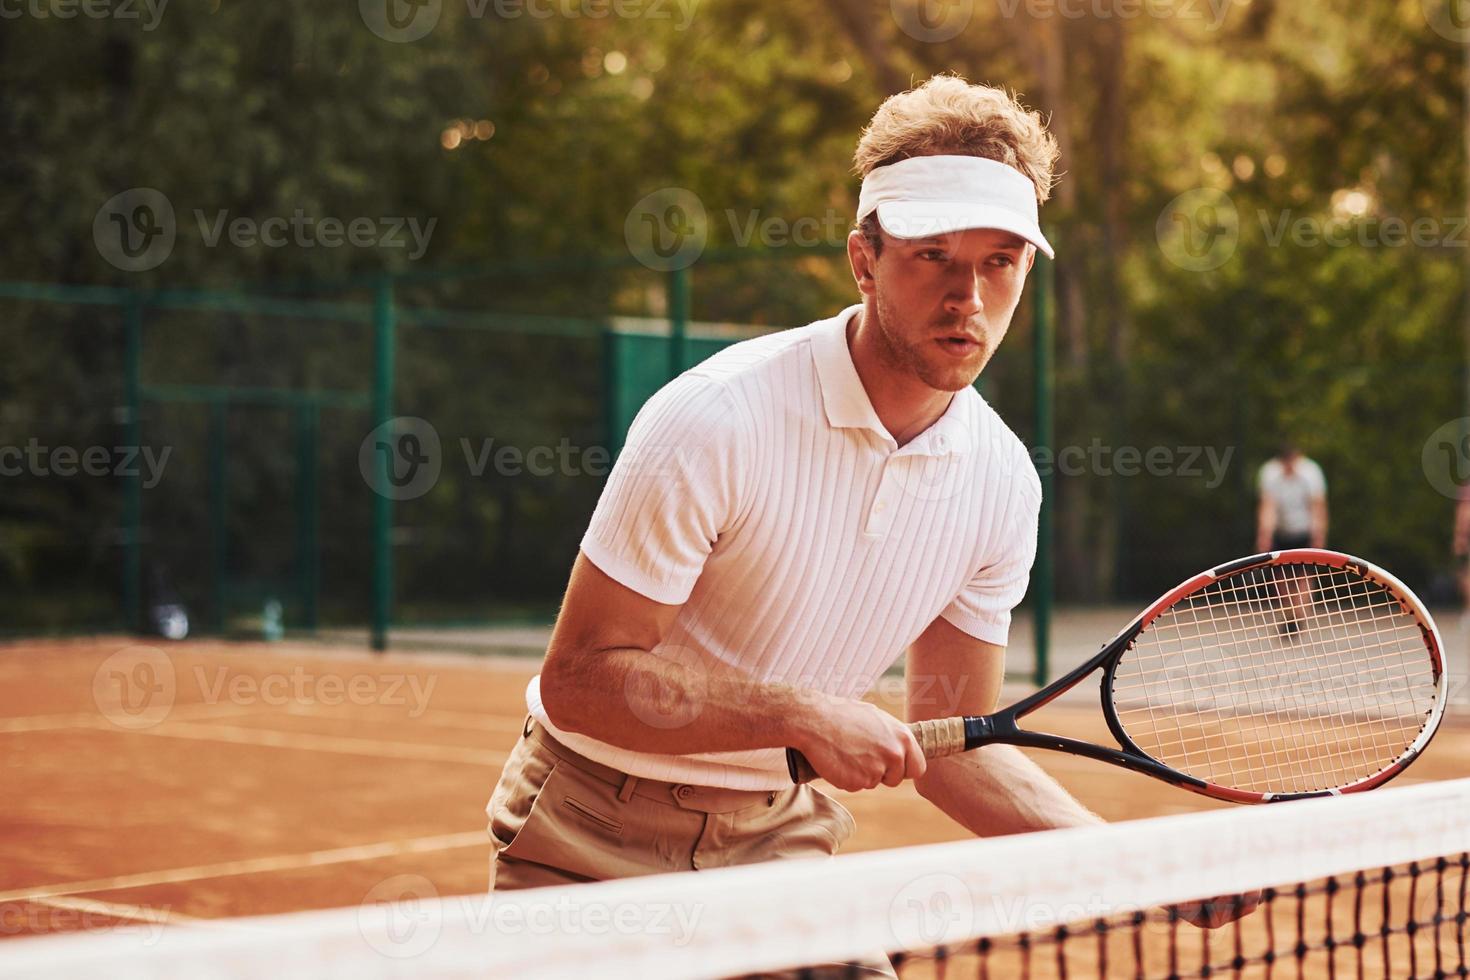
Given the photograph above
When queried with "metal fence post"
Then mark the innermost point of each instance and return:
(132, 539)
(678, 319)
(384, 324)
(1042, 577)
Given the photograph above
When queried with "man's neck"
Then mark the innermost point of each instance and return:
(905, 405)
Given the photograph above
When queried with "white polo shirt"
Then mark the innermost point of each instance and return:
(1293, 493)
(761, 491)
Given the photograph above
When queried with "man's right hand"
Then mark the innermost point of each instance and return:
(855, 745)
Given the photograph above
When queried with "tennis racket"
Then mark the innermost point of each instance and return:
(1279, 676)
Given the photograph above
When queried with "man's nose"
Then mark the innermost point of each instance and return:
(964, 296)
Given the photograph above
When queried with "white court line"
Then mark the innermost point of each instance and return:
(94, 719)
(309, 742)
(487, 721)
(280, 862)
(136, 913)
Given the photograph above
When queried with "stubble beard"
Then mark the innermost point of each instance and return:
(900, 355)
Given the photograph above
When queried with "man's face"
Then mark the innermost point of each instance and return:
(944, 303)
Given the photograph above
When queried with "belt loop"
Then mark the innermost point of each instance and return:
(626, 793)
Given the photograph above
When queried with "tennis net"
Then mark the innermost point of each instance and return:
(1372, 885)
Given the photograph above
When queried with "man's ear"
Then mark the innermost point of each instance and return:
(1031, 251)
(860, 257)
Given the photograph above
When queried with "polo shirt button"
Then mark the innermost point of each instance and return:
(941, 443)
(684, 792)
(882, 506)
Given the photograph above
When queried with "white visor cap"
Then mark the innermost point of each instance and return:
(936, 195)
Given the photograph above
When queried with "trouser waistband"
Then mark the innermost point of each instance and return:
(707, 799)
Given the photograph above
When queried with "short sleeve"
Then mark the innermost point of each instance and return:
(983, 607)
(672, 491)
(1263, 479)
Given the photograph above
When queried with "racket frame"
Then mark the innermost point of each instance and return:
(1003, 727)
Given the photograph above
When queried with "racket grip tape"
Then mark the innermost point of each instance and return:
(937, 738)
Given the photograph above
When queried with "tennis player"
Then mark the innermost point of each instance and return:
(788, 518)
(1292, 513)
(1293, 502)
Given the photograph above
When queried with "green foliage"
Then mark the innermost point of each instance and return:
(261, 110)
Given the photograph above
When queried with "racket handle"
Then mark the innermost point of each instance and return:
(937, 738)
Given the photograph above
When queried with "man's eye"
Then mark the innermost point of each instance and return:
(1004, 261)
(932, 255)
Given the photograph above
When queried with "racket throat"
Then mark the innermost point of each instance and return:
(990, 729)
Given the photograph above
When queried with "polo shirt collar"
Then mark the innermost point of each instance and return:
(848, 406)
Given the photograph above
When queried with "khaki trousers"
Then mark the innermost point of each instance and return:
(558, 818)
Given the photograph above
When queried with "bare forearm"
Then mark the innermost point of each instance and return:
(647, 702)
(996, 791)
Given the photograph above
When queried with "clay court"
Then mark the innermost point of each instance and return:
(168, 784)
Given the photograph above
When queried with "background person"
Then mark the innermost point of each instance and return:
(1292, 514)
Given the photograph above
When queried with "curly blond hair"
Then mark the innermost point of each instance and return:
(948, 115)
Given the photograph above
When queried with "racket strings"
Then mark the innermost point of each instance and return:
(1308, 742)
(1287, 678)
